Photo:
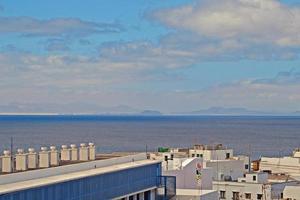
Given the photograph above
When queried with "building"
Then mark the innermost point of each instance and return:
(260, 186)
(291, 192)
(211, 152)
(131, 177)
(286, 165)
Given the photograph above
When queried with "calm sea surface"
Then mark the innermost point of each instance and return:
(269, 136)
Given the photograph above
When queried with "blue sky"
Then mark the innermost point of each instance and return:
(170, 55)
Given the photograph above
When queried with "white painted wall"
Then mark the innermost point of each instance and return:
(211, 154)
(186, 176)
(292, 192)
(222, 168)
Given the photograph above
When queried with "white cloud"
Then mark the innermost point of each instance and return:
(70, 27)
(252, 21)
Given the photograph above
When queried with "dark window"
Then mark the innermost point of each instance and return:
(138, 197)
(246, 166)
(222, 194)
(198, 155)
(131, 198)
(259, 196)
(247, 195)
(201, 155)
(147, 195)
(254, 178)
(193, 155)
(227, 155)
(235, 195)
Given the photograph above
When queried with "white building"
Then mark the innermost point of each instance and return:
(286, 165)
(291, 192)
(211, 152)
(252, 186)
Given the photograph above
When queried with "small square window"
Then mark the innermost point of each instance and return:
(259, 196)
(254, 178)
(246, 166)
(248, 195)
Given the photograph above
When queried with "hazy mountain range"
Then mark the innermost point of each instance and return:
(79, 108)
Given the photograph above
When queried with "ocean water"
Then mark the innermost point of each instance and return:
(256, 136)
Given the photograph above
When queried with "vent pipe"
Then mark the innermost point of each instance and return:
(54, 156)
(6, 162)
(92, 151)
(44, 158)
(21, 160)
(83, 152)
(74, 152)
(65, 153)
(32, 159)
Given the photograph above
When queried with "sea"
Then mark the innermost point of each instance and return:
(251, 135)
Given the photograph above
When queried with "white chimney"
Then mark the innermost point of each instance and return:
(92, 151)
(54, 156)
(21, 160)
(6, 162)
(32, 159)
(83, 152)
(74, 152)
(44, 158)
(65, 153)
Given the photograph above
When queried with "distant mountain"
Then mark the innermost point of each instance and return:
(151, 112)
(229, 111)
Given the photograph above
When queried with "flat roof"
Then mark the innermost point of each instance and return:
(23, 185)
(193, 192)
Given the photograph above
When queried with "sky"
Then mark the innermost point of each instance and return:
(170, 55)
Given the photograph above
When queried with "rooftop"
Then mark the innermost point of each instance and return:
(63, 177)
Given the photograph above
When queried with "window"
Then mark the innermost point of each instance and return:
(201, 155)
(246, 166)
(193, 155)
(259, 196)
(235, 195)
(222, 194)
(198, 155)
(254, 178)
(248, 195)
(227, 155)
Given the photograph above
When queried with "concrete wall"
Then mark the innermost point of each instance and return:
(42, 173)
(222, 168)
(289, 165)
(186, 177)
(292, 192)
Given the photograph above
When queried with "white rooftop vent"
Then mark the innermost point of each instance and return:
(92, 151)
(54, 156)
(83, 152)
(6, 162)
(65, 153)
(44, 159)
(32, 159)
(21, 160)
(74, 152)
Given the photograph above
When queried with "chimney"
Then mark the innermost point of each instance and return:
(32, 159)
(21, 160)
(65, 153)
(54, 157)
(74, 152)
(6, 162)
(44, 160)
(83, 152)
(92, 151)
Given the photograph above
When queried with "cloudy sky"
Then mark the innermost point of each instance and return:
(168, 55)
